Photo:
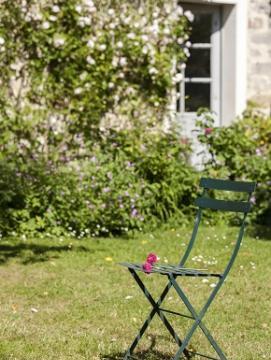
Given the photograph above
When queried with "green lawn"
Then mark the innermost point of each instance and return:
(68, 299)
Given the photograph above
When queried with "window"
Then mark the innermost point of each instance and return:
(201, 84)
(216, 72)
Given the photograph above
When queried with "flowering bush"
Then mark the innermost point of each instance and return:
(84, 87)
(110, 192)
(241, 151)
(74, 67)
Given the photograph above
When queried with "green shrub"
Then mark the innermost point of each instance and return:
(241, 151)
(128, 182)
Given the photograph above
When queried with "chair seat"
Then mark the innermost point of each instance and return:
(166, 269)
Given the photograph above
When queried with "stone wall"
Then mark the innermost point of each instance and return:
(259, 53)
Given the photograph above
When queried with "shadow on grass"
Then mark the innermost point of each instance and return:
(32, 253)
(260, 232)
(144, 355)
(148, 354)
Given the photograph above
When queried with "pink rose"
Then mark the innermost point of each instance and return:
(147, 267)
(151, 258)
(208, 131)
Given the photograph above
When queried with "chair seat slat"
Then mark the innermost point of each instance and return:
(171, 269)
(224, 205)
(228, 185)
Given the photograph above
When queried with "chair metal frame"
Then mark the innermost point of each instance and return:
(172, 272)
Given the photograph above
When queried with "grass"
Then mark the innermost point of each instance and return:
(68, 299)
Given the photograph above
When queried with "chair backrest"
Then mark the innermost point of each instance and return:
(206, 202)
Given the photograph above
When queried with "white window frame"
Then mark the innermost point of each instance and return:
(215, 68)
(233, 71)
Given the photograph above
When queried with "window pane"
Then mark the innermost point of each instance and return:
(201, 28)
(198, 64)
(196, 96)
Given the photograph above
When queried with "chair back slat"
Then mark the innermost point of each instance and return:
(224, 205)
(227, 185)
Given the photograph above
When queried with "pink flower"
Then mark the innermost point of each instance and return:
(151, 258)
(147, 267)
(208, 131)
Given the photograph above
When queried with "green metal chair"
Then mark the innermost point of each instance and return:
(173, 271)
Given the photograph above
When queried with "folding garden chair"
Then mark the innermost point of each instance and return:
(174, 271)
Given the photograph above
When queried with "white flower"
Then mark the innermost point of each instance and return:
(90, 43)
(90, 60)
(55, 9)
(180, 40)
(123, 61)
(189, 15)
(115, 62)
(88, 3)
(59, 41)
(53, 119)
(83, 76)
(131, 36)
(179, 10)
(121, 75)
(186, 52)
(37, 16)
(145, 37)
(188, 44)
(153, 71)
(111, 12)
(119, 44)
(84, 20)
(168, 9)
(2, 40)
(145, 50)
(45, 25)
(177, 78)
(2, 48)
(52, 18)
(78, 8)
(87, 20)
(14, 67)
(154, 28)
(78, 91)
(92, 9)
(127, 20)
(102, 47)
(166, 31)
(112, 26)
(41, 140)
(111, 85)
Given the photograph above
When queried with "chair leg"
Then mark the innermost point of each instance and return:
(198, 322)
(154, 311)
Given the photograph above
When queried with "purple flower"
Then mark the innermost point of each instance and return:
(134, 213)
(129, 164)
(253, 200)
(106, 189)
(258, 152)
